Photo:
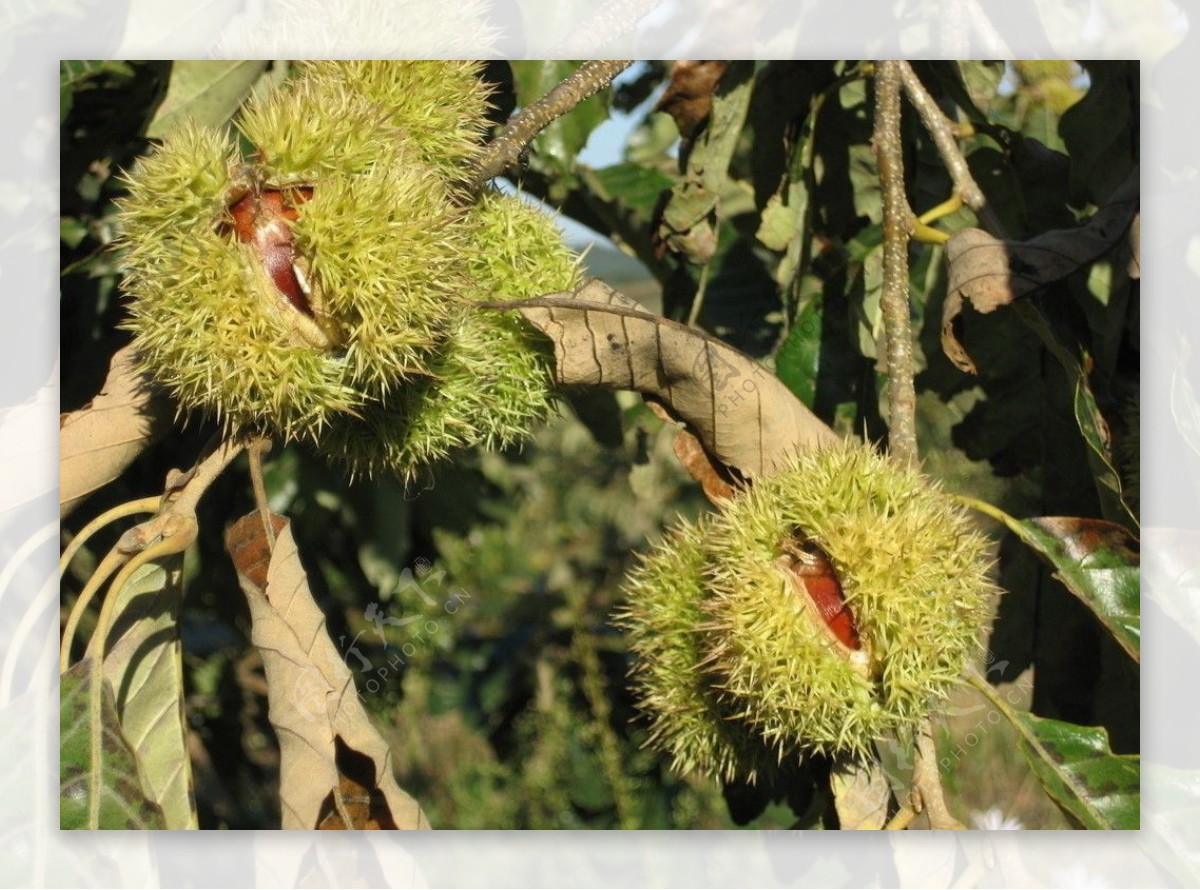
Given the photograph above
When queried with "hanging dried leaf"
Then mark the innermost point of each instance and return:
(861, 795)
(745, 418)
(689, 95)
(988, 272)
(314, 705)
(97, 442)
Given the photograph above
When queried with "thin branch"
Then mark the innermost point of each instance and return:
(943, 132)
(928, 781)
(612, 20)
(897, 224)
(505, 150)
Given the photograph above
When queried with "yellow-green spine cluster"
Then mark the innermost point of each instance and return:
(731, 658)
(388, 252)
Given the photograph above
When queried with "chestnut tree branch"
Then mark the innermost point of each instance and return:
(612, 20)
(505, 150)
(945, 138)
(897, 225)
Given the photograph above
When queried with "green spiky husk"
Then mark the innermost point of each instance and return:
(665, 620)
(913, 573)
(408, 371)
(440, 106)
(197, 314)
(492, 378)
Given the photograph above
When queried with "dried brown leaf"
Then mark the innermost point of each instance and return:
(689, 94)
(745, 418)
(97, 442)
(861, 795)
(717, 482)
(988, 272)
(313, 702)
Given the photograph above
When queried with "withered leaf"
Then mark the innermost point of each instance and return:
(689, 94)
(860, 794)
(988, 272)
(97, 442)
(742, 414)
(313, 702)
(356, 803)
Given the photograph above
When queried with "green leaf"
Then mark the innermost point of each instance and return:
(1096, 560)
(798, 360)
(207, 91)
(1079, 771)
(1095, 433)
(1077, 768)
(71, 231)
(143, 663)
(74, 74)
(1092, 425)
(782, 216)
(633, 187)
(686, 219)
(104, 767)
(982, 82)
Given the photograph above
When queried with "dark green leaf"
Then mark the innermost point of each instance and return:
(1082, 775)
(1101, 131)
(1097, 561)
(1076, 767)
(1095, 433)
(798, 360)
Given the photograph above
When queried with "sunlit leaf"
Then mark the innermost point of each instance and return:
(206, 91)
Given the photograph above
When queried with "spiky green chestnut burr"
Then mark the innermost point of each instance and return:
(207, 324)
(664, 617)
(829, 605)
(323, 287)
(914, 578)
(441, 106)
(491, 379)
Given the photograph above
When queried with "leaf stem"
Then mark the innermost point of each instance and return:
(129, 508)
(928, 781)
(257, 449)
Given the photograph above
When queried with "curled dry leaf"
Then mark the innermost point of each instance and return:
(743, 416)
(97, 442)
(988, 272)
(717, 482)
(689, 95)
(332, 758)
